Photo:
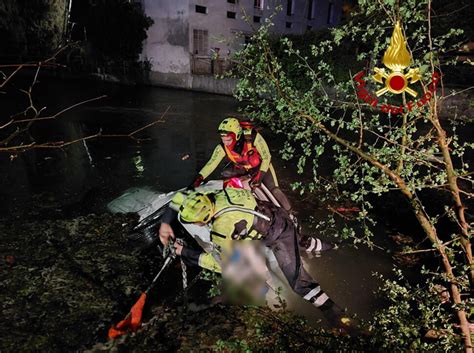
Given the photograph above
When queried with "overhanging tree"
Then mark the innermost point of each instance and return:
(296, 92)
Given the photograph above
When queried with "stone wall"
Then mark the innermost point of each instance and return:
(203, 83)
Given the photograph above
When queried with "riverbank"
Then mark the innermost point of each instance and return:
(456, 102)
(188, 82)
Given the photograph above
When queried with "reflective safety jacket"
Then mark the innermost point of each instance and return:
(251, 152)
(235, 211)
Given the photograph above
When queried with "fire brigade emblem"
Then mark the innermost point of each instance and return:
(396, 59)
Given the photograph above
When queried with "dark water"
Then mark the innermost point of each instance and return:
(87, 173)
(85, 176)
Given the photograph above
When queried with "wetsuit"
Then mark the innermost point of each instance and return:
(257, 163)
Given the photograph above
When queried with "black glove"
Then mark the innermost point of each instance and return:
(256, 180)
(198, 181)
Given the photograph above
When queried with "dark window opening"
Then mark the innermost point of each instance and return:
(256, 19)
(289, 8)
(230, 14)
(258, 4)
(201, 9)
(309, 27)
(289, 25)
(310, 9)
(232, 1)
(331, 13)
(247, 40)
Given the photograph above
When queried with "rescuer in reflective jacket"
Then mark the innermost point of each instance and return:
(234, 214)
(248, 152)
(250, 155)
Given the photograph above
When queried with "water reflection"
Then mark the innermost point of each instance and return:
(138, 164)
(89, 172)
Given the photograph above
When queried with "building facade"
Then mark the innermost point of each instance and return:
(191, 40)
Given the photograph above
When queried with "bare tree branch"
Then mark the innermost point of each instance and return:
(60, 112)
(61, 144)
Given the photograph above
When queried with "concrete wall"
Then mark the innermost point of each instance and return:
(202, 83)
(170, 79)
(299, 18)
(210, 84)
(169, 46)
(228, 34)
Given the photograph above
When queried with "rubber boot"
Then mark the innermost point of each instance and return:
(338, 319)
(310, 244)
(315, 245)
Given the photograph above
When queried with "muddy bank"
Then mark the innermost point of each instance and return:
(225, 328)
(64, 281)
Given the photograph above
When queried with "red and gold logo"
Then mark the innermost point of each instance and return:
(397, 59)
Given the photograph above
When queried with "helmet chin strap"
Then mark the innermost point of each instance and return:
(234, 141)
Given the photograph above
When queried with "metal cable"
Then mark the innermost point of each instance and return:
(184, 273)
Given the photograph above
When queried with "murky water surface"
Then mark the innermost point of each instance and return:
(102, 168)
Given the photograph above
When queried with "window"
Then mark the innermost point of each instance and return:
(230, 14)
(311, 8)
(200, 42)
(258, 4)
(201, 9)
(289, 25)
(232, 1)
(309, 27)
(247, 40)
(290, 8)
(256, 19)
(331, 13)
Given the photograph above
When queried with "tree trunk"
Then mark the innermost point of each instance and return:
(454, 189)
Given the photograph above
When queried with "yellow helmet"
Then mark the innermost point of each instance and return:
(197, 207)
(232, 126)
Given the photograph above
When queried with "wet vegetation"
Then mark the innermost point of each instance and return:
(64, 281)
